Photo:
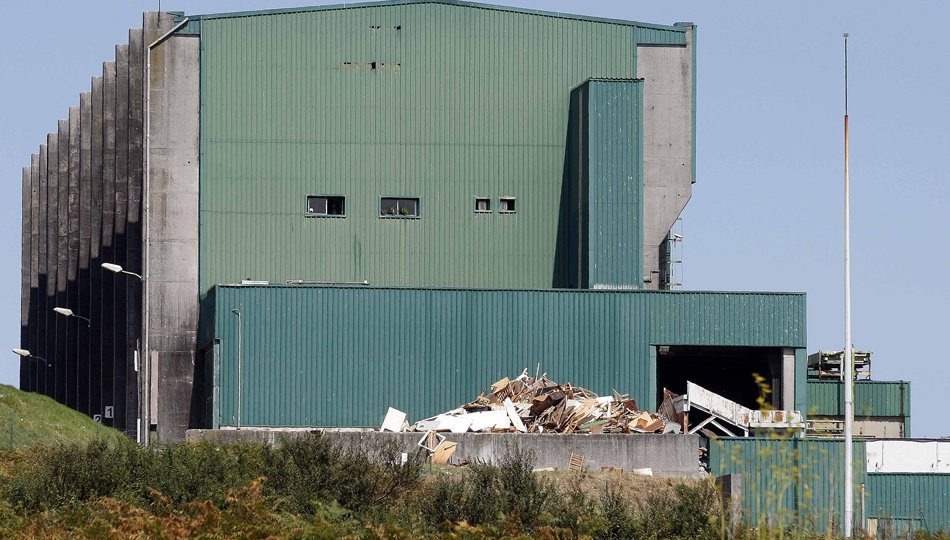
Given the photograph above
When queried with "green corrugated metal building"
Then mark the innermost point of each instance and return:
(881, 408)
(323, 355)
(433, 195)
(798, 482)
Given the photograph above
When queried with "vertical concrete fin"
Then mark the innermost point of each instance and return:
(38, 264)
(172, 225)
(668, 147)
(108, 153)
(25, 227)
(95, 209)
(136, 127)
(96, 293)
(75, 136)
(121, 139)
(25, 244)
(85, 180)
(61, 207)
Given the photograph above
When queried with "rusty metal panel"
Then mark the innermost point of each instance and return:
(789, 481)
(325, 355)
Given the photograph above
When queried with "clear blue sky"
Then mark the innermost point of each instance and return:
(766, 212)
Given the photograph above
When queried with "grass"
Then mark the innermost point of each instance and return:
(40, 420)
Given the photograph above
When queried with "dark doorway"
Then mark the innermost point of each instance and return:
(727, 371)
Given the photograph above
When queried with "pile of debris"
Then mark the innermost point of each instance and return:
(539, 405)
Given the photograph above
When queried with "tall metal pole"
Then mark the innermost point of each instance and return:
(848, 355)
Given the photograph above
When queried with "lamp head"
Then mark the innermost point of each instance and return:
(63, 311)
(112, 267)
(22, 352)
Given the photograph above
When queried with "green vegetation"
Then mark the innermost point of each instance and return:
(310, 488)
(41, 420)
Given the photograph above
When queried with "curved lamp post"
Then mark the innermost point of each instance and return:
(66, 312)
(118, 270)
(26, 354)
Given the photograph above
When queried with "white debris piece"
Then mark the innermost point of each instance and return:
(394, 421)
(513, 414)
(490, 419)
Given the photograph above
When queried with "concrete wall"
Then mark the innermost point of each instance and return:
(83, 209)
(667, 146)
(171, 234)
(666, 455)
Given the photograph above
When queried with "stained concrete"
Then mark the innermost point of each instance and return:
(666, 455)
(667, 145)
(171, 222)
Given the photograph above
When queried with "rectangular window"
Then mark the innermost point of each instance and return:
(404, 207)
(506, 205)
(482, 204)
(326, 205)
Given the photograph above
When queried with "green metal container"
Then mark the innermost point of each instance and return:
(789, 481)
(871, 399)
(340, 356)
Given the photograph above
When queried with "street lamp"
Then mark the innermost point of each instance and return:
(26, 354)
(66, 312)
(118, 270)
(145, 380)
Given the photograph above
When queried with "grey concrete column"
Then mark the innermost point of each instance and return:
(61, 256)
(25, 258)
(788, 379)
(95, 270)
(121, 202)
(133, 287)
(73, 325)
(667, 146)
(81, 282)
(34, 264)
(42, 263)
(172, 229)
(107, 287)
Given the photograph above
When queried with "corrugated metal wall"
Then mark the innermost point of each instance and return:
(342, 355)
(789, 481)
(871, 398)
(437, 101)
(614, 182)
(923, 498)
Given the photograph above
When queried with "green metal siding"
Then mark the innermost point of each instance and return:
(789, 481)
(342, 355)
(923, 498)
(464, 101)
(871, 398)
(614, 183)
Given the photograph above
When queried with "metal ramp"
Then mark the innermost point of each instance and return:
(722, 412)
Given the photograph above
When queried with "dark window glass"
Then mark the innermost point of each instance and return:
(399, 207)
(506, 204)
(326, 205)
(482, 204)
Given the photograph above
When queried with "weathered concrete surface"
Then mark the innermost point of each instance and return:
(667, 145)
(666, 455)
(171, 225)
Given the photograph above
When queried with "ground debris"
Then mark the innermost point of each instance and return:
(539, 405)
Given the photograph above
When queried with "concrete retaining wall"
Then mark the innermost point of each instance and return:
(667, 455)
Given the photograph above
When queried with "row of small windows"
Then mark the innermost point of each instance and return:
(396, 207)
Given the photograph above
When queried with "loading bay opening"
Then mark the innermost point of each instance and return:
(727, 371)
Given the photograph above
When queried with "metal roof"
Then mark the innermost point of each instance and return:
(678, 27)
